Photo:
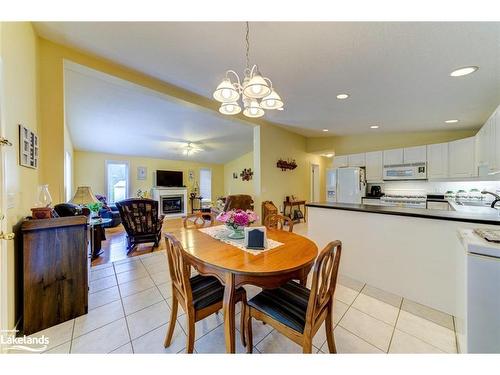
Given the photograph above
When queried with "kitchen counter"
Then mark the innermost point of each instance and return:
(465, 214)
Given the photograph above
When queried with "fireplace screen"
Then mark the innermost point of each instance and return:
(172, 204)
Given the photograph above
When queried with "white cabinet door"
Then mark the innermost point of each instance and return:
(374, 166)
(415, 154)
(461, 158)
(437, 160)
(340, 161)
(392, 157)
(442, 206)
(356, 160)
(371, 202)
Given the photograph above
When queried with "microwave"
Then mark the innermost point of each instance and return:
(414, 171)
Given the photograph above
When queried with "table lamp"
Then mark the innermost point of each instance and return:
(84, 196)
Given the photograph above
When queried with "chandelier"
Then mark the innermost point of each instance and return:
(256, 92)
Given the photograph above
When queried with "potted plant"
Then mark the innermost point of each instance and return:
(94, 208)
(237, 220)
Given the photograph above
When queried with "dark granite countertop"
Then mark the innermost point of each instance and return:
(492, 218)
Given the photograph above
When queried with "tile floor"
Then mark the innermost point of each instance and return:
(129, 311)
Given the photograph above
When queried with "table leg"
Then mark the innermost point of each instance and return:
(228, 307)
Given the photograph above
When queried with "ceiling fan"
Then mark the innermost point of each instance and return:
(191, 148)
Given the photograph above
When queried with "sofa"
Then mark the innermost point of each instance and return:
(233, 202)
(109, 212)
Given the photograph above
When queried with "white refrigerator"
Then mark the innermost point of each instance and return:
(345, 185)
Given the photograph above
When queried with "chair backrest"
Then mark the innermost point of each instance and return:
(179, 270)
(242, 201)
(277, 221)
(324, 281)
(139, 215)
(197, 220)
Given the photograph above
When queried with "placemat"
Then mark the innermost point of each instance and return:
(221, 232)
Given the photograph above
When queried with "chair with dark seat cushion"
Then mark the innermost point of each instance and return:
(141, 221)
(199, 296)
(296, 311)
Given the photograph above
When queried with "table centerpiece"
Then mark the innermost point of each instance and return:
(236, 221)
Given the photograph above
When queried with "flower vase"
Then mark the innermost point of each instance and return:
(237, 233)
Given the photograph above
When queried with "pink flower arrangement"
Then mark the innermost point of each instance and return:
(237, 218)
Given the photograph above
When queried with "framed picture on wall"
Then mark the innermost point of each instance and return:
(28, 148)
(142, 173)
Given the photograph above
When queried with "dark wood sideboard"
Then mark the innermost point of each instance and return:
(55, 256)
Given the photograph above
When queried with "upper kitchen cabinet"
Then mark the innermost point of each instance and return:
(437, 160)
(340, 161)
(486, 147)
(392, 157)
(374, 166)
(496, 120)
(356, 160)
(461, 159)
(415, 154)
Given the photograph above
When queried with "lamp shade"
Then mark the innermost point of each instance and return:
(256, 88)
(226, 92)
(272, 101)
(231, 108)
(253, 109)
(84, 196)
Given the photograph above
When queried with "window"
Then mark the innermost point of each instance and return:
(117, 181)
(68, 179)
(206, 184)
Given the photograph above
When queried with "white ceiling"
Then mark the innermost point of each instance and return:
(397, 73)
(107, 114)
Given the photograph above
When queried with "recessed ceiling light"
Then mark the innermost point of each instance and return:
(451, 121)
(325, 130)
(374, 127)
(280, 109)
(342, 96)
(328, 155)
(464, 71)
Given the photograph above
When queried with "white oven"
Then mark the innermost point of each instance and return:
(415, 171)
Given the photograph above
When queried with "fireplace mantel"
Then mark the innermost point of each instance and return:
(161, 192)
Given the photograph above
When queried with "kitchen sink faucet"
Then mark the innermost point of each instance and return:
(497, 197)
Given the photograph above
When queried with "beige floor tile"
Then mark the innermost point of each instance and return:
(276, 343)
(129, 266)
(204, 326)
(101, 266)
(159, 266)
(346, 342)
(372, 330)
(154, 259)
(140, 300)
(152, 342)
(376, 308)
(61, 349)
(128, 276)
(58, 334)
(344, 294)
(147, 319)
(215, 342)
(160, 277)
(180, 311)
(101, 284)
(432, 333)
(98, 317)
(428, 313)
(103, 297)
(136, 286)
(390, 298)
(102, 340)
(165, 289)
(124, 349)
(350, 283)
(339, 309)
(405, 343)
(252, 291)
(100, 273)
(259, 330)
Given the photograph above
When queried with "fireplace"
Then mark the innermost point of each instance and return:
(172, 204)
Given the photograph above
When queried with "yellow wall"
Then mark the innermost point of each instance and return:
(89, 170)
(382, 141)
(18, 52)
(276, 143)
(68, 148)
(238, 186)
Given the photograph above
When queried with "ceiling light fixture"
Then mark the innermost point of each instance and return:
(464, 71)
(257, 92)
(328, 155)
(374, 127)
(325, 130)
(342, 96)
(451, 121)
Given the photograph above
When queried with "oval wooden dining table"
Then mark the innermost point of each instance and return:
(235, 267)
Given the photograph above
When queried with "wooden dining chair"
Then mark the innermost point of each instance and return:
(296, 311)
(277, 221)
(197, 220)
(199, 296)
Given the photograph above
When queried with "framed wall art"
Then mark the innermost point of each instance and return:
(28, 148)
(142, 173)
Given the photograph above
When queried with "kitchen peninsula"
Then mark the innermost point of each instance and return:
(413, 253)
